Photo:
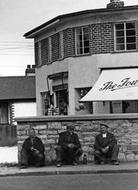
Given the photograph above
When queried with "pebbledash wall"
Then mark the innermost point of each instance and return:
(124, 126)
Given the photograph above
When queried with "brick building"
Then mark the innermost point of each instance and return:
(72, 50)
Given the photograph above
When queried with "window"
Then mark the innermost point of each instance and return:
(130, 106)
(45, 97)
(125, 36)
(85, 107)
(82, 41)
(62, 101)
(4, 112)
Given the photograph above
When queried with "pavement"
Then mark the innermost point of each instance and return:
(90, 168)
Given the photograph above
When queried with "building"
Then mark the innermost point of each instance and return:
(72, 50)
(17, 99)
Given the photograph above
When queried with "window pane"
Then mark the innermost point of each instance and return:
(78, 32)
(128, 36)
(131, 39)
(86, 36)
(4, 113)
(120, 47)
(120, 33)
(131, 46)
(119, 26)
(130, 25)
(130, 32)
(120, 40)
(86, 50)
(86, 30)
(82, 40)
(86, 43)
(80, 51)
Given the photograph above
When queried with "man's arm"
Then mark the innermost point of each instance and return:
(26, 145)
(112, 140)
(97, 144)
(62, 140)
(77, 142)
(40, 145)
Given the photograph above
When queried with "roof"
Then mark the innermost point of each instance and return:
(17, 87)
(80, 13)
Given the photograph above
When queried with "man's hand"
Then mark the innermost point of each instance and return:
(71, 145)
(105, 150)
(35, 150)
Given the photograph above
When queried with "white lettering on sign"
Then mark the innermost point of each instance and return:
(125, 83)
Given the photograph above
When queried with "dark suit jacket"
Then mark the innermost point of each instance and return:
(101, 142)
(37, 144)
(66, 138)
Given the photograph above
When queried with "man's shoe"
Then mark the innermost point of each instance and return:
(59, 165)
(102, 162)
(23, 167)
(97, 162)
(74, 163)
(116, 163)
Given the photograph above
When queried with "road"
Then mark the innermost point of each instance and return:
(71, 182)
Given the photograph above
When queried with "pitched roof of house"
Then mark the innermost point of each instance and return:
(17, 87)
(60, 18)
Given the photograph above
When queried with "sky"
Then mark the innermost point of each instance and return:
(20, 16)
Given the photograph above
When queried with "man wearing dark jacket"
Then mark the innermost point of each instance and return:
(106, 148)
(69, 148)
(32, 153)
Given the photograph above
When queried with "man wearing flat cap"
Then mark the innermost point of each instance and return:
(32, 153)
(105, 147)
(68, 149)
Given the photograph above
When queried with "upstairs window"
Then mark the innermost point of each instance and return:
(82, 41)
(125, 36)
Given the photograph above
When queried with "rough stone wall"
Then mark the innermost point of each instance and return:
(126, 132)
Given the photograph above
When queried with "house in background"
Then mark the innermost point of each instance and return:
(17, 99)
(71, 51)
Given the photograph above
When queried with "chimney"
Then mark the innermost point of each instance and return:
(115, 4)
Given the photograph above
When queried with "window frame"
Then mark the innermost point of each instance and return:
(76, 40)
(125, 37)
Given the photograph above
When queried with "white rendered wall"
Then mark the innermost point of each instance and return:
(24, 109)
(82, 72)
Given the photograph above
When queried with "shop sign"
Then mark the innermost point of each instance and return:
(124, 83)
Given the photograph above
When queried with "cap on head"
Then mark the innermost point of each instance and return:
(102, 124)
(31, 131)
(70, 127)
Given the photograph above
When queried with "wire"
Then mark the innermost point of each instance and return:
(16, 48)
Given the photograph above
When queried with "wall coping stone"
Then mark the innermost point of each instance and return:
(77, 118)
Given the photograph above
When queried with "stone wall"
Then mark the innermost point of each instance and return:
(125, 128)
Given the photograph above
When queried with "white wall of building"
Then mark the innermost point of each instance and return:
(82, 72)
(24, 109)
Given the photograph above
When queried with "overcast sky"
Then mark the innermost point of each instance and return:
(20, 16)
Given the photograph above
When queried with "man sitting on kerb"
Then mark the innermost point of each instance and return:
(105, 147)
(32, 153)
(68, 149)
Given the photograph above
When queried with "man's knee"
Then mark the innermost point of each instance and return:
(97, 152)
(79, 152)
(24, 156)
(116, 147)
(58, 148)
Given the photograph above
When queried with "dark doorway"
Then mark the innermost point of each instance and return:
(62, 101)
